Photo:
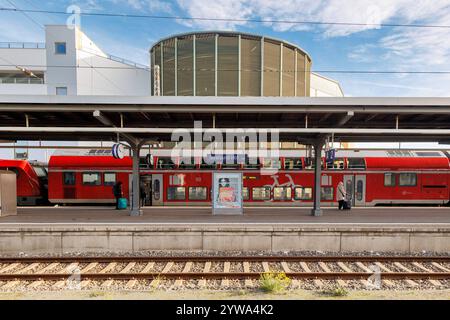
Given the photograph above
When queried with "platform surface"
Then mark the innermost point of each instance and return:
(89, 229)
(382, 216)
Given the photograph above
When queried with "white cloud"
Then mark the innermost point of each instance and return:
(237, 9)
(150, 5)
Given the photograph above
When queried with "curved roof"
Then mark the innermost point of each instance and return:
(253, 35)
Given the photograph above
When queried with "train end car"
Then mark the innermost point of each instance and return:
(31, 181)
(87, 179)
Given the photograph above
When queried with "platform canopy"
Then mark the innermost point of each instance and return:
(30, 117)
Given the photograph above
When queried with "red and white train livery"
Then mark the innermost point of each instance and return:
(371, 178)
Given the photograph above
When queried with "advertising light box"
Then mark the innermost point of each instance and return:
(227, 193)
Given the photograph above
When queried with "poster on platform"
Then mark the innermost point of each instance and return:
(227, 193)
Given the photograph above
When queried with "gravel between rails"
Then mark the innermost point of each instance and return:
(169, 284)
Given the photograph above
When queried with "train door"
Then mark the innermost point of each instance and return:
(146, 190)
(157, 190)
(355, 185)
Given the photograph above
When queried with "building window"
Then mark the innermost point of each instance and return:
(69, 178)
(282, 193)
(197, 193)
(407, 179)
(109, 179)
(303, 193)
(389, 179)
(326, 193)
(60, 48)
(261, 193)
(176, 193)
(61, 91)
(91, 179)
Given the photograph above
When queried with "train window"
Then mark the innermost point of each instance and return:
(109, 178)
(69, 178)
(165, 163)
(271, 163)
(293, 164)
(197, 193)
(245, 193)
(41, 172)
(312, 165)
(301, 193)
(326, 193)
(251, 163)
(282, 193)
(91, 178)
(359, 190)
(356, 163)
(207, 165)
(337, 164)
(407, 179)
(389, 179)
(156, 187)
(187, 163)
(176, 193)
(262, 193)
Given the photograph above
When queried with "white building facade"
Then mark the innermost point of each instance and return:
(68, 63)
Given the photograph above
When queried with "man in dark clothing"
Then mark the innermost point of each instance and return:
(117, 191)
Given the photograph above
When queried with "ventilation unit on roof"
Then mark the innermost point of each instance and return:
(428, 154)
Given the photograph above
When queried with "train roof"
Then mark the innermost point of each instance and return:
(340, 153)
(89, 162)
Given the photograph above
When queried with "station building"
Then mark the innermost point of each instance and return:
(68, 63)
(191, 64)
(234, 64)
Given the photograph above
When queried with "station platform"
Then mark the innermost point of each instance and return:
(61, 230)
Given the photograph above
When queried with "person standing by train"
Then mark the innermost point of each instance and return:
(118, 193)
(341, 195)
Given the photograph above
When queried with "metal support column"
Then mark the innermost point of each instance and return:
(318, 145)
(135, 202)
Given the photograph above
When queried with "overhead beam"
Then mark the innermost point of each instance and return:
(345, 118)
(107, 122)
(355, 131)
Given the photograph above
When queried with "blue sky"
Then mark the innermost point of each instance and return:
(331, 47)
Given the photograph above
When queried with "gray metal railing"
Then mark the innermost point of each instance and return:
(22, 45)
(21, 80)
(125, 61)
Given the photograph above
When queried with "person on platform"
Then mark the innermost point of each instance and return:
(143, 194)
(118, 193)
(341, 195)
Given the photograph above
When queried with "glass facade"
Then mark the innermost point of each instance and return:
(288, 72)
(169, 67)
(301, 74)
(205, 47)
(227, 65)
(271, 69)
(239, 64)
(185, 66)
(250, 67)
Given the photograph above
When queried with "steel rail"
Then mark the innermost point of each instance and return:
(224, 275)
(275, 258)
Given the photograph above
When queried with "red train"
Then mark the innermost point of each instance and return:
(371, 177)
(31, 181)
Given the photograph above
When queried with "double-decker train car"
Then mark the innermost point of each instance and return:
(370, 177)
(31, 180)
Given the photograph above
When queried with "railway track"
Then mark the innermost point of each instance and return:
(415, 271)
